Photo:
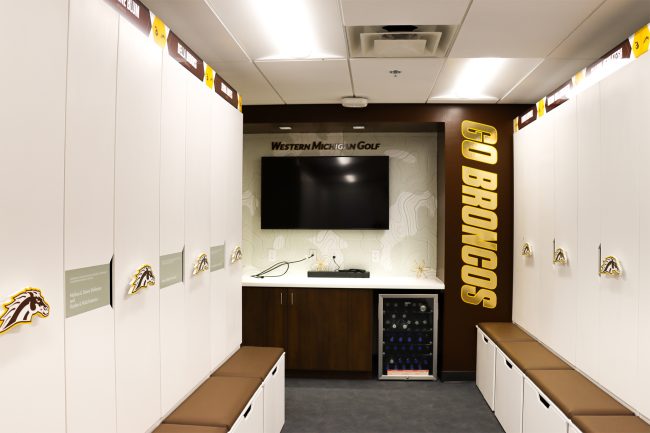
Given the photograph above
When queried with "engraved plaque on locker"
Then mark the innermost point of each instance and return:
(87, 289)
(171, 269)
(217, 257)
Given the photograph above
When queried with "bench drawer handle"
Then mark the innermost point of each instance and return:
(248, 410)
(275, 370)
(508, 364)
(544, 402)
(485, 339)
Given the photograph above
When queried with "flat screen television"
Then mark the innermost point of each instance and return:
(325, 192)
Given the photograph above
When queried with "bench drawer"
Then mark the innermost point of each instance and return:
(485, 357)
(274, 398)
(251, 419)
(540, 415)
(508, 393)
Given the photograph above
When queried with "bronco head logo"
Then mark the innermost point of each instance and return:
(610, 266)
(22, 308)
(560, 258)
(201, 264)
(526, 250)
(143, 278)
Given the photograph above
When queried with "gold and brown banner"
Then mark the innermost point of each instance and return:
(153, 26)
(627, 51)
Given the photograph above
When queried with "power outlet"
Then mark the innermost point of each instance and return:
(272, 255)
(376, 256)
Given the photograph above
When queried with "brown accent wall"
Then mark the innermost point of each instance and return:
(458, 335)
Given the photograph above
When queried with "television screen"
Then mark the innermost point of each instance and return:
(325, 192)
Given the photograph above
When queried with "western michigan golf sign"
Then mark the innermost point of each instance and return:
(479, 218)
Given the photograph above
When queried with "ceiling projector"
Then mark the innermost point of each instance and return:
(354, 102)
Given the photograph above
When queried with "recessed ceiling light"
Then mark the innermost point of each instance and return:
(358, 127)
(285, 128)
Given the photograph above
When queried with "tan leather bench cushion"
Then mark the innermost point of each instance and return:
(218, 402)
(611, 424)
(530, 355)
(176, 428)
(251, 361)
(574, 394)
(504, 331)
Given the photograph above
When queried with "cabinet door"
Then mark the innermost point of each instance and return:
(561, 294)
(588, 342)
(622, 115)
(263, 310)
(360, 326)
(318, 329)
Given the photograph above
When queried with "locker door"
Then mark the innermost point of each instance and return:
(218, 229)
(137, 159)
(561, 293)
(545, 227)
(642, 400)
(31, 221)
(588, 341)
(520, 139)
(89, 199)
(175, 378)
(622, 112)
(197, 228)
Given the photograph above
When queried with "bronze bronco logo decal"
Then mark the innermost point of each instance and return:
(143, 278)
(22, 308)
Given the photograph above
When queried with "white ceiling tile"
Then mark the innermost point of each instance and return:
(516, 28)
(614, 21)
(506, 76)
(249, 82)
(309, 81)
(416, 12)
(547, 77)
(372, 79)
(266, 31)
(197, 25)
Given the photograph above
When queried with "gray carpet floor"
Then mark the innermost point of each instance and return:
(372, 406)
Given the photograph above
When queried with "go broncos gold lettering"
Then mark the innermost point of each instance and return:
(480, 221)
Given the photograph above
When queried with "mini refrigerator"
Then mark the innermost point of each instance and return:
(408, 336)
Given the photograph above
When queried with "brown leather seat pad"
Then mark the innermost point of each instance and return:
(251, 361)
(530, 355)
(177, 428)
(504, 331)
(218, 402)
(611, 424)
(574, 394)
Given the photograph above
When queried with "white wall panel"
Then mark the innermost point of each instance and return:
(175, 379)
(137, 159)
(89, 199)
(621, 114)
(588, 341)
(31, 222)
(197, 228)
(561, 294)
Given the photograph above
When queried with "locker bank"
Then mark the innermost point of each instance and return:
(339, 216)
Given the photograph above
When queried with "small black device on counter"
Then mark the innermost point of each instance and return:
(341, 273)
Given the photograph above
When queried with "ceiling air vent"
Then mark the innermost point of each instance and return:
(399, 41)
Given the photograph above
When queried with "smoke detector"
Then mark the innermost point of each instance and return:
(354, 102)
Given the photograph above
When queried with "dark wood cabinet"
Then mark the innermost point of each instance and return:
(322, 330)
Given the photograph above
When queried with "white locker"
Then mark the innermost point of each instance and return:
(89, 199)
(621, 114)
(642, 399)
(508, 393)
(197, 228)
(174, 347)
(32, 137)
(560, 297)
(540, 415)
(485, 358)
(137, 165)
(589, 341)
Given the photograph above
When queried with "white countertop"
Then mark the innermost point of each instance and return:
(379, 282)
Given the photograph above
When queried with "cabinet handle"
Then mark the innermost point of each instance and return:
(291, 298)
(485, 339)
(280, 298)
(508, 364)
(275, 370)
(248, 410)
(543, 400)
